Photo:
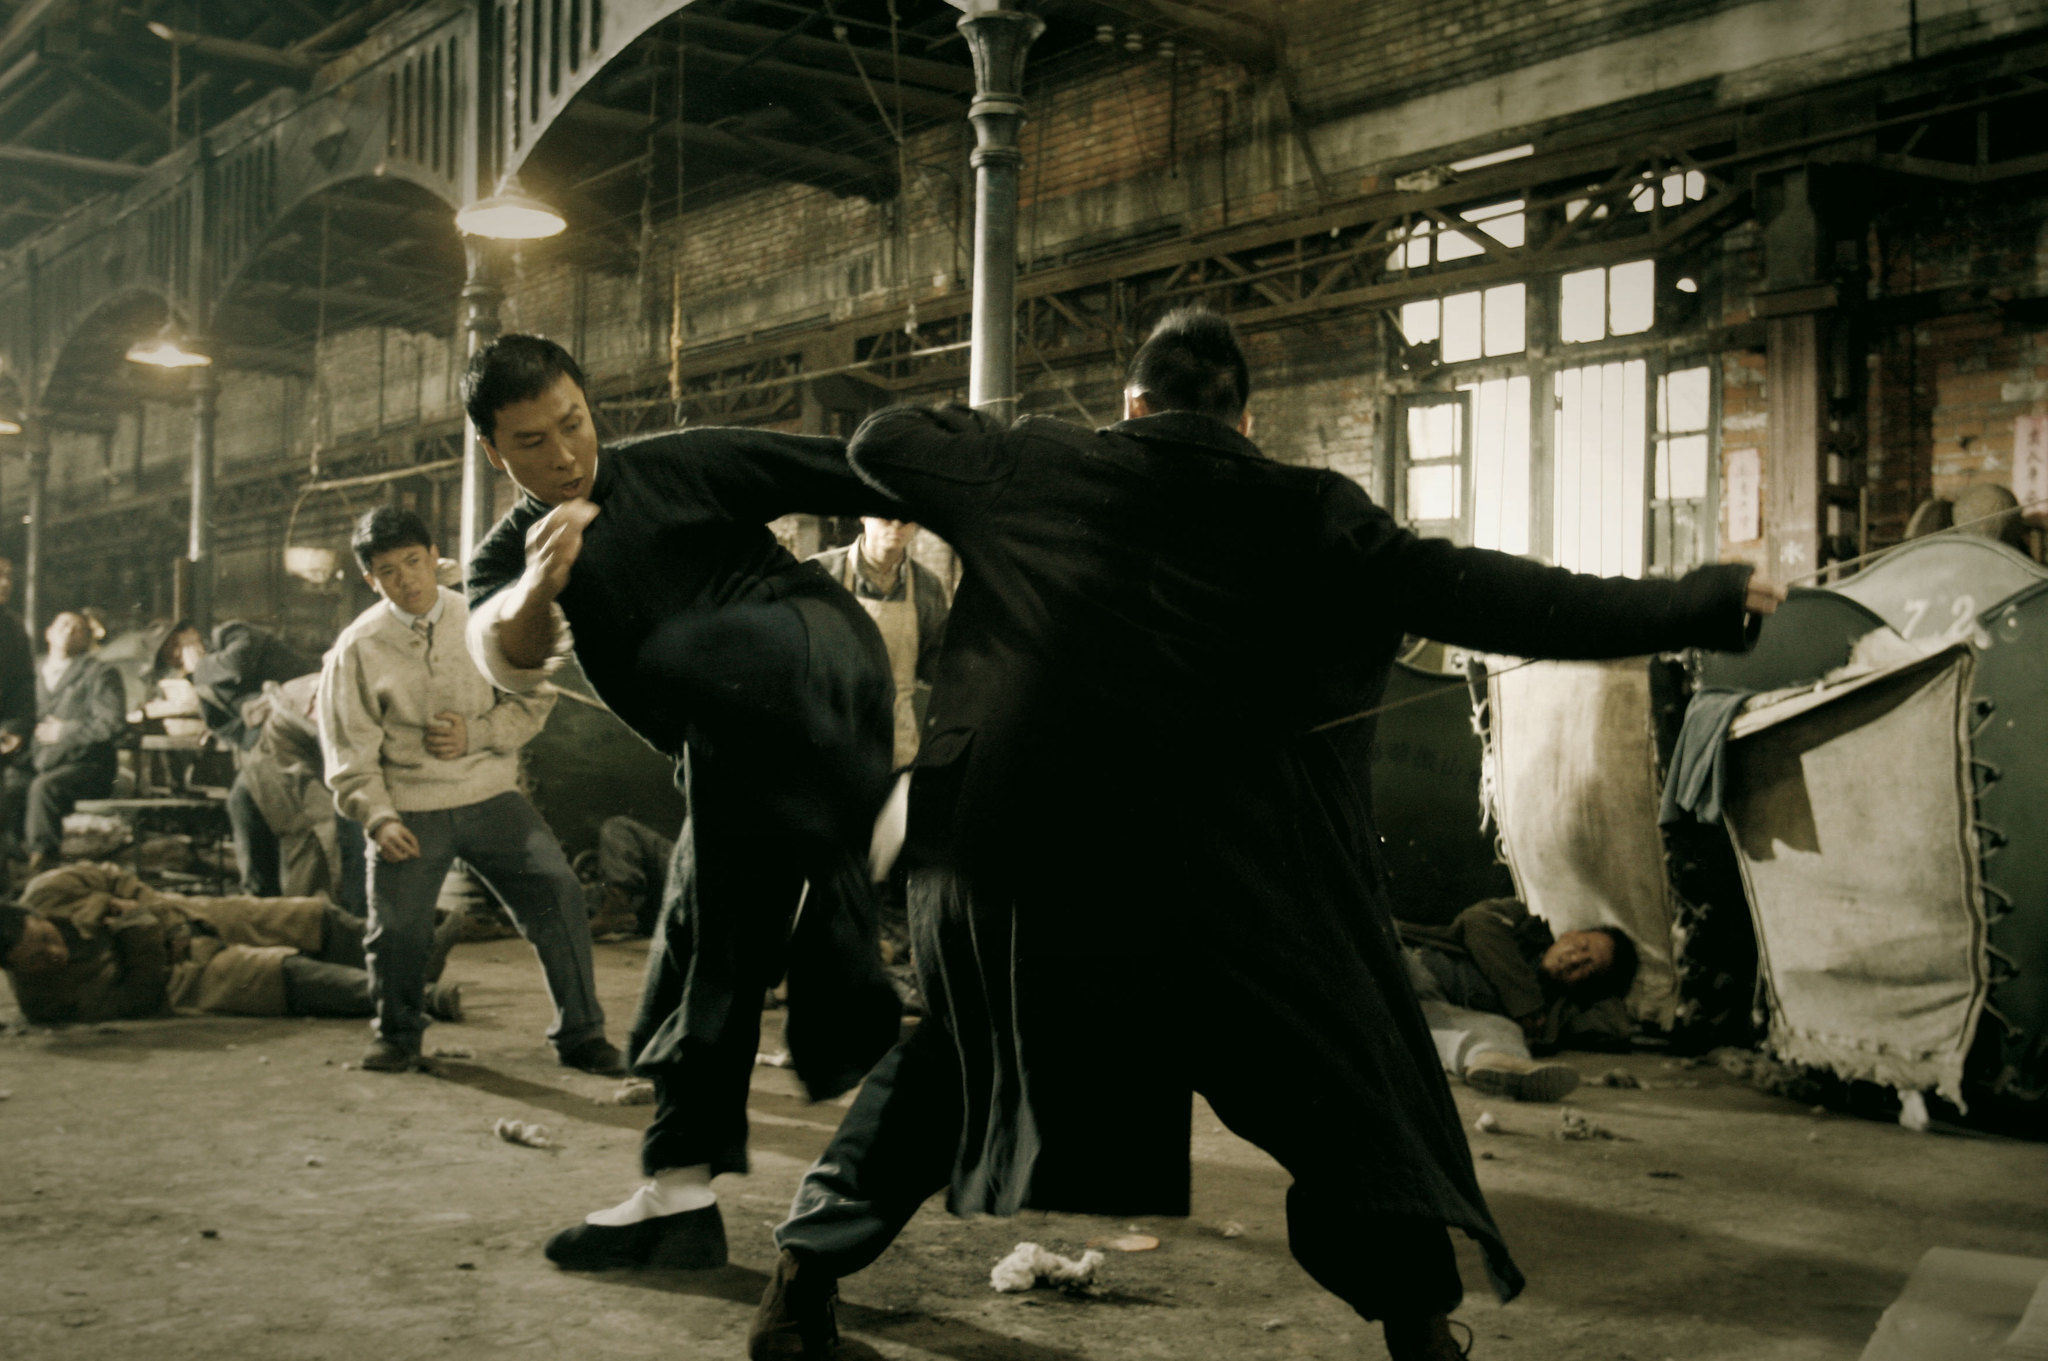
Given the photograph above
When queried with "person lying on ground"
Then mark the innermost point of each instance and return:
(94, 943)
(1498, 988)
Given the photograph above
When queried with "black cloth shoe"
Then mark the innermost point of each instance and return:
(386, 1056)
(798, 1318)
(595, 1055)
(691, 1241)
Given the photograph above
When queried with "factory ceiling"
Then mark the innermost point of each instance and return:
(715, 100)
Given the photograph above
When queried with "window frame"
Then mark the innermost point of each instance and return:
(1403, 461)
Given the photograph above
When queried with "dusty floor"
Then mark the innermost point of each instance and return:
(226, 1188)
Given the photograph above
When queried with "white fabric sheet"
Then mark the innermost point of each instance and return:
(1851, 813)
(1573, 784)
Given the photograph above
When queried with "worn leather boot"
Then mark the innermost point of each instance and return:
(1424, 1337)
(385, 1056)
(798, 1319)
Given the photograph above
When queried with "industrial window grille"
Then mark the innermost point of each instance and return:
(1619, 300)
(1481, 324)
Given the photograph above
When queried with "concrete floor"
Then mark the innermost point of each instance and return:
(226, 1188)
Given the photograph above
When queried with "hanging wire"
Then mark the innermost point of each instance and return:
(318, 397)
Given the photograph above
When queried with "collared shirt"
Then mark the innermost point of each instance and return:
(413, 621)
(868, 574)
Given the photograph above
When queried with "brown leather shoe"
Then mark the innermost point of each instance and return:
(797, 1319)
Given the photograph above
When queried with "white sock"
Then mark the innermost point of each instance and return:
(674, 1190)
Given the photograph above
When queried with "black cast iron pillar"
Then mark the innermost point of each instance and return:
(1000, 39)
(199, 542)
(483, 294)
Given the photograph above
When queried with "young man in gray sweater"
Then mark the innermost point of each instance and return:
(424, 753)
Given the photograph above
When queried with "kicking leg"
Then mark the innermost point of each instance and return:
(894, 1148)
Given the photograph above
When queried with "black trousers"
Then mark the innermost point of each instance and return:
(899, 1142)
(786, 763)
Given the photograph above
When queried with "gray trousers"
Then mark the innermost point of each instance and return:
(518, 858)
(41, 799)
(1460, 1032)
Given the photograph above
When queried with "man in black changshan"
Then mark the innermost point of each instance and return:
(770, 688)
(1123, 823)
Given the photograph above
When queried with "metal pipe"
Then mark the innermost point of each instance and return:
(199, 543)
(1000, 40)
(32, 536)
(482, 294)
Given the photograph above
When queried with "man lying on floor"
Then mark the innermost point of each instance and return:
(94, 943)
(1497, 988)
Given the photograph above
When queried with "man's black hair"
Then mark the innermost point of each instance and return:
(1192, 361)
(386, 528)
(13, 926)
(514, 368)
(1617, 978)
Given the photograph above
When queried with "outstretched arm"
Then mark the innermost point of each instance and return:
(1497, 602)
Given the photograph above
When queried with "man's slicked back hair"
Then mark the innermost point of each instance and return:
(513, 368)
(385, 528)
(1192, 362)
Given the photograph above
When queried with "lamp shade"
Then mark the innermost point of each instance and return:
(9, 426)
(511, 214)
(167, 349)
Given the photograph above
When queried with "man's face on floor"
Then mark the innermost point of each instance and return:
(1579, 956)
(40, 949)
(547, 444)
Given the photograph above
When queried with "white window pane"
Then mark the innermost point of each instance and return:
(1682, 469)
(1631, 297)
(1695, 184)
(1419, 321)
(1644, 197)
(1674, 190)
(1574, 208)
(1461, 327)
(1504, 222)
(1456, 246)
(1682, 401)
(1511, 230)
(1598, 473)
(1433, 492)
(1500, 464)
(1583, 313)
(1635, 388)
(1506, 314)
(1418, 251)
(1433, 432)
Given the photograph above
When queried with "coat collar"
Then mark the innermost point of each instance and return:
(1186, 427)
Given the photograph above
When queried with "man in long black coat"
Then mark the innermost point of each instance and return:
(769, 687)
(1124, 824)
